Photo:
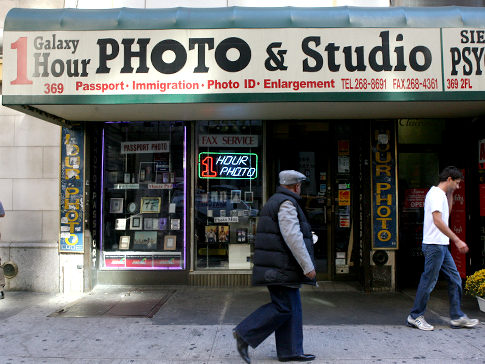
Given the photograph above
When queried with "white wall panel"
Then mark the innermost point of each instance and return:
(7, 124)
(50, 226)
(30, 131)
(50, 162)
(6, 193)
(22, 226)
(36, 194)
(20, 162)
(186, 3)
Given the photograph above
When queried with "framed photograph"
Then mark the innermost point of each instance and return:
(124, 243)
(223, 235)
(235, 196)
(163, 223)
(148, 223)
(120, 224)
(248, 196)
(147, 172)
(116, 205)
(174, 224)
(136, 223)
(223, 196)
(165, 177)
(150, 205)
(170, 242)
(145, 240)
(222, 213)
(131, 208)
(211, 234)
(242, 235)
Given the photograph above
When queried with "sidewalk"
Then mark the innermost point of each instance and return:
(181, 324)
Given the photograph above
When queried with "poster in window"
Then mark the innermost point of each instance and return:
(223, 231)
(145, 240)
(148, 224)
(116, 205)
(211, 234)
(248, 196)
(150, 205)
(124, 243)
(235, 196)
(242, 235)
(169, 242)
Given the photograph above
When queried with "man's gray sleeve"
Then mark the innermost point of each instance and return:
(290, 229)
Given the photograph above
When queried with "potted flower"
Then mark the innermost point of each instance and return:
(475, 286)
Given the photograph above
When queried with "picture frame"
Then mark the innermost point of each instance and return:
(223, 233)
(120, 224)
(116, 205)
(211, 234)
(174, 224)
(235, 196)
(145, 240)
(248, 197)
(150, 205)
(148, 223)
(124, 242)
(242, 235)
(170, 242)
(163, 223)
(136, 223)
(147, 172)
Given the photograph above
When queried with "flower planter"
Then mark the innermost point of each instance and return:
(481, 303)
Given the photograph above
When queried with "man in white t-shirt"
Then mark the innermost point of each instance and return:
(436, 239)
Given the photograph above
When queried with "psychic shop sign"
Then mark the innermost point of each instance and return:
(72, 191)
(224, 61)
(212, 165)
(384, 193)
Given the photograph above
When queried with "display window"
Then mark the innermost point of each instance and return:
(143, 196)
(228, 194)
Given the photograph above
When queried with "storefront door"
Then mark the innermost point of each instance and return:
(304, 146)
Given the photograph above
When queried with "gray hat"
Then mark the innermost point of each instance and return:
(291, 177)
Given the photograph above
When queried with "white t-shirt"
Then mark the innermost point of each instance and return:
(436, 200)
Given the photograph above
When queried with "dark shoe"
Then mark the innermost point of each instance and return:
(2, 295)
(242, 347)
(302, 357)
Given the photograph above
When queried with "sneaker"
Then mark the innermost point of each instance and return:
(419, 323)
(464, 321)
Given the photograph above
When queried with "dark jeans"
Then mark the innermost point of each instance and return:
(436, 258)
(282, 316)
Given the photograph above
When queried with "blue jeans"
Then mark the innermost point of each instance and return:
(283, 316)
(436, 258)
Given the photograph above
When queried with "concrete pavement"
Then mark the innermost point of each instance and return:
(181, 324)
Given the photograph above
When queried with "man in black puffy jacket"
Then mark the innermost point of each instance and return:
(283, 260)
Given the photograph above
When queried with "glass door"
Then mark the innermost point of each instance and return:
(304, 146)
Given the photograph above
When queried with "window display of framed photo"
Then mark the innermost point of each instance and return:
(124, 243)
(211, 234)
(248, 197)
(116, 205)
(223, 233)
(136, 223)
(169, 242)
(120, 224)
(145, 240)
(236, 196)
(174, 224)
(150, 205)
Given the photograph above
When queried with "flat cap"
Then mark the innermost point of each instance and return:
(291, 177)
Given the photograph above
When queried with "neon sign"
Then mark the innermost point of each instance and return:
(228, 165)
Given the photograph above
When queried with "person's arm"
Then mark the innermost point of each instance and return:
(291, 232)
(2, 211)
(441, 225)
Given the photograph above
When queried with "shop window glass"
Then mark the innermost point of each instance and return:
(143, 220)
(228, 194)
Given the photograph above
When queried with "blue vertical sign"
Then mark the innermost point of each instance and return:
(72, 191)
(384, 191)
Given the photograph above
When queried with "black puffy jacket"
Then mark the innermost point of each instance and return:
(274, 264)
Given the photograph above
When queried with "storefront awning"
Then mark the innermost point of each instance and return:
(68, 65)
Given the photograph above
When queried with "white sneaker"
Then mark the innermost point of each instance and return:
(419, 323)
(464, 321)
